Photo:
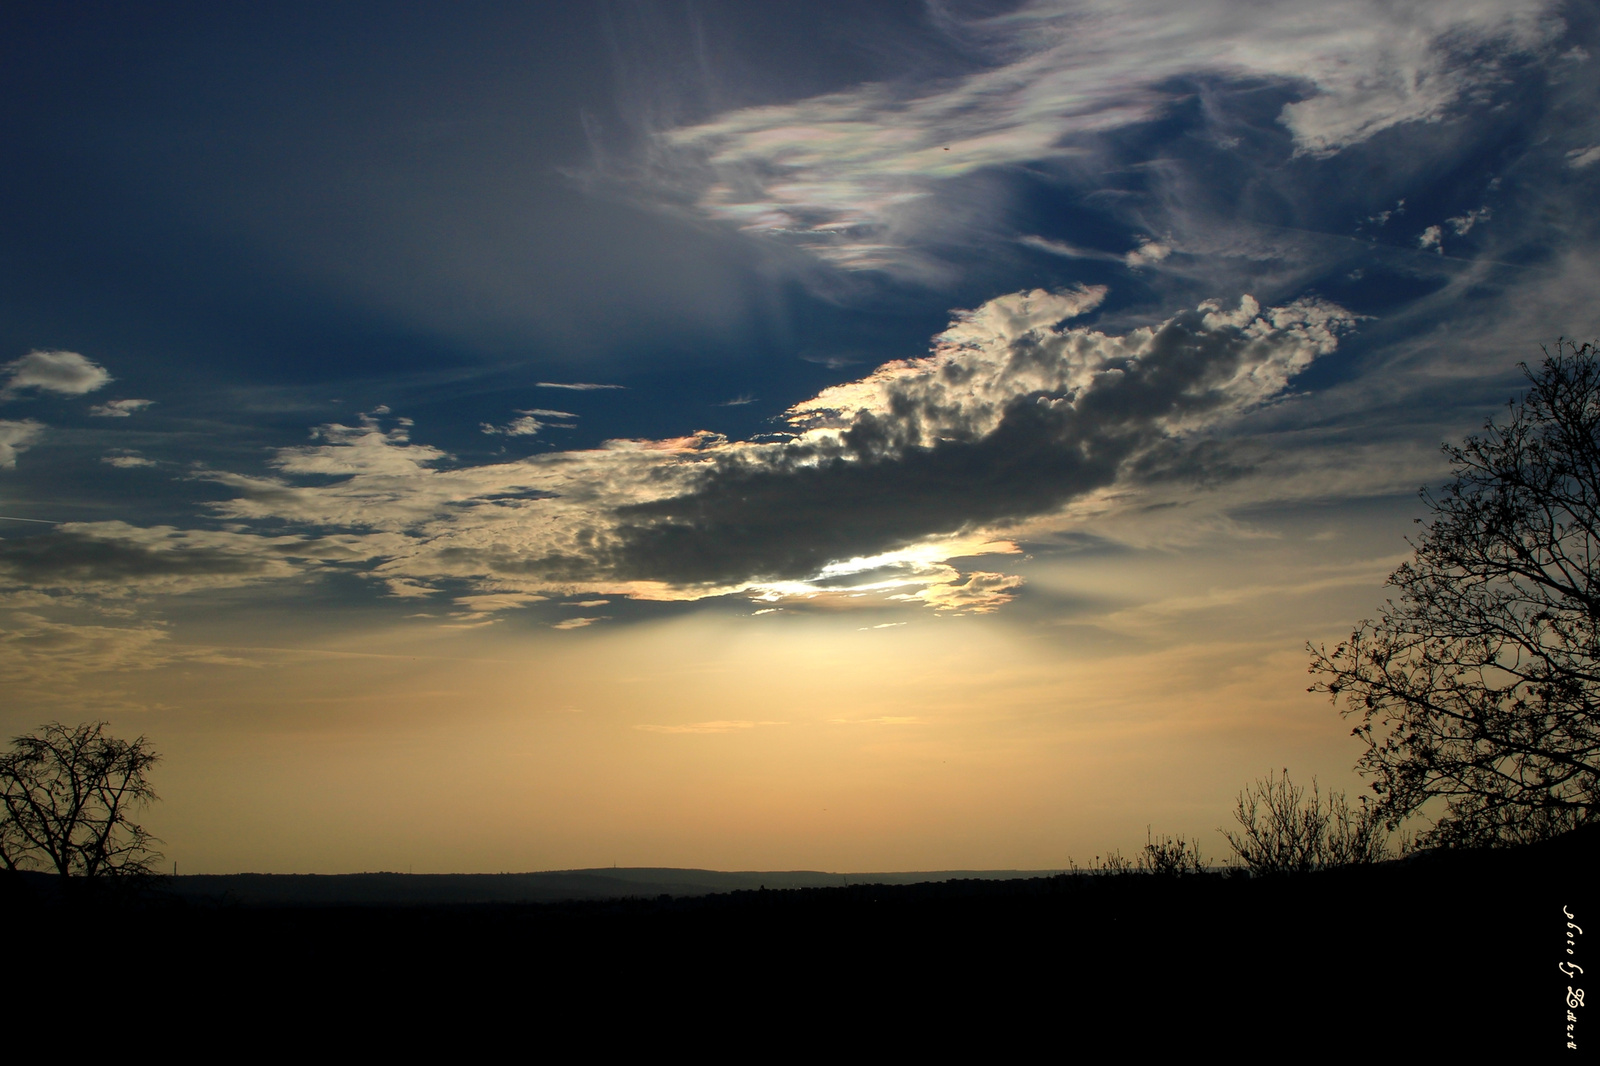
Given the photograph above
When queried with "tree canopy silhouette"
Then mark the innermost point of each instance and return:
(69, 794)
(1478, 685)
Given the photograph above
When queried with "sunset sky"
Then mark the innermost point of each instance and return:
(849, 436)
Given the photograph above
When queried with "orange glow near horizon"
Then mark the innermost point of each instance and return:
(824, 741)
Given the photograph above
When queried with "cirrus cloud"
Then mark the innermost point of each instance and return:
(836, 172)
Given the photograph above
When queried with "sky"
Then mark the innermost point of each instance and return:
(870, 436)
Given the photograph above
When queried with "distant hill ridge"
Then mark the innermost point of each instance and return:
(552, 886)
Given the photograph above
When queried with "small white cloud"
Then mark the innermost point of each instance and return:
(119, 408)
(1579, 158)
(65, 372)
(359, 450)
(1382, 218)
(738, 401)
(408, 589)
(577, 386)
(16, 438)
(528, 424)
(587, 603)
(128, 461)
(1147, 253)
(1463, 224)
(1432, 237)
(577, 623)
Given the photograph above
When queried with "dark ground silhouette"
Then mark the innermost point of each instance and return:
(1442, 952)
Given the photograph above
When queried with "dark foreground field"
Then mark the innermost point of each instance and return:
(1444, 953)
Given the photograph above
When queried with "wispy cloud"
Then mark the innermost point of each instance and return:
(888, 719)
(836, 172)
(38, 650)
(576, 386)
(17, 437)
(529, 423)
(1069, 251)
(119, 408)
(1579, 158)
(706, 727)
(116, 559)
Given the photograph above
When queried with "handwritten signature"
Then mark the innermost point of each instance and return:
(1570, 970)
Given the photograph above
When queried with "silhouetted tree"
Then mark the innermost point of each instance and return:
(1282, 831)
(68, 796)
(1479, 685)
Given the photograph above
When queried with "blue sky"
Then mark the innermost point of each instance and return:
(1111, 331)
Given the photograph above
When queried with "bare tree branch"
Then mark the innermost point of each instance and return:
(67, 796)
(1480, 685)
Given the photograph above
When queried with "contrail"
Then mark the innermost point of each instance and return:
(41, 521)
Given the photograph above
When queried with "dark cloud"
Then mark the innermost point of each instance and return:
(917, 464)
(76, 557)
(791, 520)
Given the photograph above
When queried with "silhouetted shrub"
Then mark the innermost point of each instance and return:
(1170, 856)
(1282, 830)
